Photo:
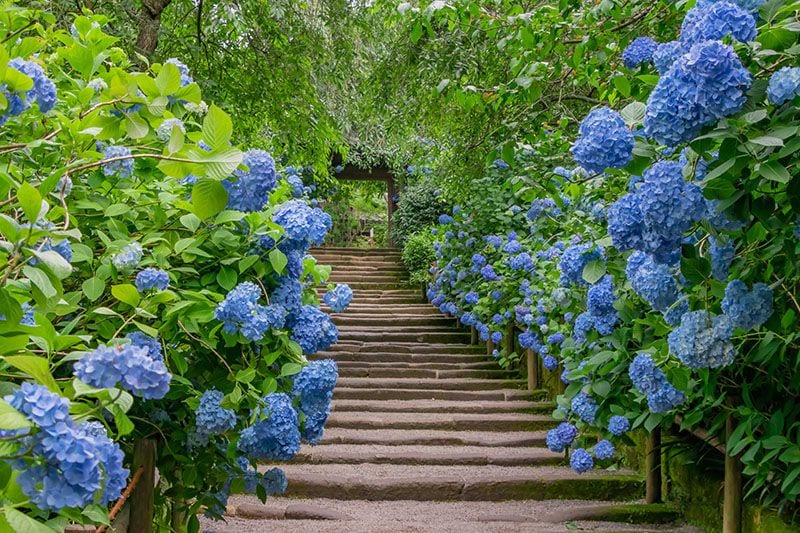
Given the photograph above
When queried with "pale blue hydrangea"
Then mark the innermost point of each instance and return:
(210, 417)
(496, 337)
(549, 362)
(555, 338)
(618, 425)
(314, 387)
(719, 20)
(604, 450)
(472, 297)
(665, 55)
(312, 329)
(143, 340)
(784, 85)
(651, 381)
(521, 261)
(652, 281)
(747, 309)
(584, 323)
(43, 91)
(701, 341)
(303, 223)
(120, 167)
(585, 407)
(339, 298)
(488, 273)
(296, 184)
(561, 437)
(288, 294)
(250, 190)
(445, 219)
(126, 366)
(639, 51)
(573, 261)
(240, 312)
(152, 279)
(581, 461)
(275, 436)
(604, 141)
(164, 130)
(721, 257)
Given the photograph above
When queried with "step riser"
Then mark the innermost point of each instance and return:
(429, 384)
(368, 438)
(465, 409)
(417, 394)
(443, 337)
(302, 458)
(435, 322)
(455, 425)
(421, 366)
(420, 373)
(399, 358)
(410, 348)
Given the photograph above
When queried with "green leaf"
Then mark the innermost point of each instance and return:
(190, 221)
(136, 126)
(168, 80)
(290, 369)
(96, 513)
(93, 288)
(633, 113)
(117, 209)
(623, 86)
(278, 260)
(209, 197)
(766, 140)
(775, 171)
(36, 367)
(40, 279)
(22, 523)
(695, 269)
(246, 375)
(219, 164)
(227, 278)
(53, 260)
(217, 128)
(126, 293)
(30, 200)
(593, 271)
(10, 418)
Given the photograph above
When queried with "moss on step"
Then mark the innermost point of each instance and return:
(659, 513)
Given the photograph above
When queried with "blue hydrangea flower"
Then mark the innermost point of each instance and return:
(702, 86)
(703, 342)
(581, 461)
(561, 437)
(275, 436)
(500, 164)
(721, 258)
(618, 425)
(488, 273)
(583, 325)
(152, 345)
(600, 298)
(512, 247)
(296, 184)
(312, 329)
(784, 85)
(549, 362)
(639, 51)
(445, 219)
(152, 278)
(127, 366)
(302, 223)
(43, 91)
(339, 298)
(122, 167)
(652, 281)
(186, 78)
(528, 339)
(651, 381)
(573, 261)
(604, 141)
(288, 294)
(585, 407)
(665, 55)
(496, 295)
(314, 386)
(164, 130)
(747, 309)
(496, 337)
(521, 261)
(555, 338)
(720, 220)
(717, 21)
(240, 312)
(495, 241)
(250, 191)
(472, 297)
(210, 417)
(604, 450)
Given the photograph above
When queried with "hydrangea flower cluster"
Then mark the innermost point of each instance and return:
(747, 309)
(784, 85)
(240, 312)
(721, 257)
(581, 461)
(152, 279)
(561, 437)
(126, 365)
(604, 141)
(186, 78)
(312, 329)
(604, 450)
(719, 20)
(74, 465)
(301, 223)
(652, 281)
(703, 342)
(585, 407)
(618, 425)
(43, 91)
(119, 167)
(275, 436)
(164, 130)
(314, 386)
(339, 298)
(666, 54)
(702, 86)
(573, 261)
(250, 191)
(651, 381)
(640, 51)
(143, 340)
(210, 417)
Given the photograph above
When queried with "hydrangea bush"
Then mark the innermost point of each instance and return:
(155, 283)
(658, 277)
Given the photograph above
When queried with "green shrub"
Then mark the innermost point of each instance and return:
(420, 207)
(418, 255)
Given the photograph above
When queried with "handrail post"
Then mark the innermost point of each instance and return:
(653, 466)
(142, 499)
(732, 502)
(533, 370)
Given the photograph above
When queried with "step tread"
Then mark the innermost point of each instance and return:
(437, 406)
(405, 437)
(420, 454)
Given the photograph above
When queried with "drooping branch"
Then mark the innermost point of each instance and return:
(149, 24)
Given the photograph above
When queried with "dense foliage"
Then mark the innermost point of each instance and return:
(659, 275)
(155, 283)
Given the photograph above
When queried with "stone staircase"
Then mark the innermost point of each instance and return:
(426, 432)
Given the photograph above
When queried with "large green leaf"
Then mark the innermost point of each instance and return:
(217, 128)
(209, 197)
(36, 367)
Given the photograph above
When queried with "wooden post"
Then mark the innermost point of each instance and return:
(732, 503)
(653, 466)
(489, 347)
(473, 335)
(533, 370)
(510, 340)
(389, 210)
(141, 516)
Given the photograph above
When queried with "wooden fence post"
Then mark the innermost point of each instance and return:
(141, 515)
(653, 466)
(732, 503)
(473, 335)
(489, 347)
(510, 340)
(533, 370)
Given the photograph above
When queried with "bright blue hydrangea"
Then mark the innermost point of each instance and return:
(496, 337)
(521, 261)
(717, 21)
(581, 461)
(250, 191)
(750, 5)
(528, 339)
(604, 141)
(573, 261)
(672, 316)
(639, 51)
(512, 247)
(604, 450)
(555, 338)
(152, 344)
(488, 273)
(314, 386)
(152, 278)
(719, 219)
(296, 183)
(600, 298)
(275, 436)
(651, 381)
(445, 219)
(702, 86)
(549, 362)
(43, 91)
(122, 167)
(312, 329)
(585, 407)
(703, 342)
(210, 417)
(240, 312)
(721, 258)
(561, 437)
(472, 297)
(618, 425)
(302, 223)
(494, 240)
(784, 85)
(186, 78)
(127, 366)
(665, 55)
(339, 298)
(652, 281)
(583, 325)
(288, 294)
(496, 295)
(500, 164)
(747, 309)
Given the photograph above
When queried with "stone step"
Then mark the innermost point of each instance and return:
(378, 285)
(381, 300)
(442, 421)
(383, 393)
(369, 357)
(449, 483)
(376, 267)
(440, 406)
(391, 309)
(484, 385)
(350, 249)
(454, 336)
(406, 347)
(362, 294)
(428, 437)
(344, 319)
(357, 454)
(368, 371)
(344, 276)
(399, 327)
(349, 259)
(487, 365)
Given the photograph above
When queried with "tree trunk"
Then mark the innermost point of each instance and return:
(149, 24)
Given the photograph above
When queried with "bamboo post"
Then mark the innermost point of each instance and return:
(732, 503)
(510, 340)
(141, 515)
(653, 466)
(533, 370)
(473, 335)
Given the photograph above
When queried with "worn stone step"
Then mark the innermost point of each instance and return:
(376, 277)
(378, 286)
(457, 365)
(344, 319)
(383, 393)
(406, 347)
(429, 437)
(381, 300)
(401, 309)
(376, 267)
(364, 251)
(400, 336)
(359, 294)
(345, 260)
(364, 357)
(431, 384)
(440, 406)
(448, 483)
(426, 455)
(442, 421)
(399, 329)
(368, 371)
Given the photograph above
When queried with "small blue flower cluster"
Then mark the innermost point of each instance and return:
(604, 141)
(721, 257)
(666, 54)
(43, 91)
(339, 298)
(471, 297)
(581, 461)
(784, 85)
(71, 462)
(747, 309)
(489, 274)
(152, 278)
(126, 365)
(573, 261)
(604, 450)
(314, 386)
(152, 344)
(312, 329)
(585, 407)
(651, 381)
(275, 436)
(702, 342)
(445, 219)
(640, 51)
(302, 223)
(210, 417)
(250, 192)
(652, 281)
(618, 425)
(240, 312)
(561, 437)
(120, 167)
(600, 303)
